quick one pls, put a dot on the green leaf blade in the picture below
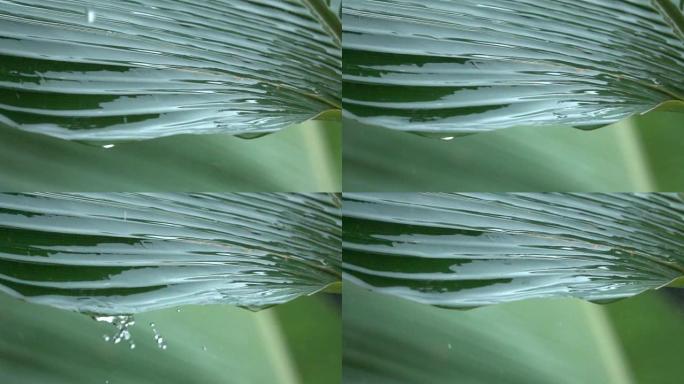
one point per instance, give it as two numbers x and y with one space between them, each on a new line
97 70
470 66
466 250
111 253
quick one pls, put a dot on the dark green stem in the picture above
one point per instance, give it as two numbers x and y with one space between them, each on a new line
335 287
327 17
672 14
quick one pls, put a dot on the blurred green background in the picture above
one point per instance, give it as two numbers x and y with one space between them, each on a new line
391 340
302 158
643 153
294 343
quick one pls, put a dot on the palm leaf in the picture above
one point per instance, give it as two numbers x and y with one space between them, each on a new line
103 70
116 253
455 67
465 250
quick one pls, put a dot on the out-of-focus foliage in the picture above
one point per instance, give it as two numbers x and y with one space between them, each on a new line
301 158
639 154
208 344
567 341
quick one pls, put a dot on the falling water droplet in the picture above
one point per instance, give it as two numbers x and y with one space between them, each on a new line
204 348
122 324
178 310
90 15
158 337
449 345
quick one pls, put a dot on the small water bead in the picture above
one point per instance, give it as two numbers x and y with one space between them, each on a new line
204 348
90 15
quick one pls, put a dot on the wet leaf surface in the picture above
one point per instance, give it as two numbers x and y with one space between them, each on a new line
452 67
124 70
466 250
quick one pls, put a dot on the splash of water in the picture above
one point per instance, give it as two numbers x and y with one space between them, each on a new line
122 330
122 325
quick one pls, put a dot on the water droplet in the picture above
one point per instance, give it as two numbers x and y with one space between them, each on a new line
449 345
107 146
204 348
90 15
448 138
178 310
121 323
158 337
